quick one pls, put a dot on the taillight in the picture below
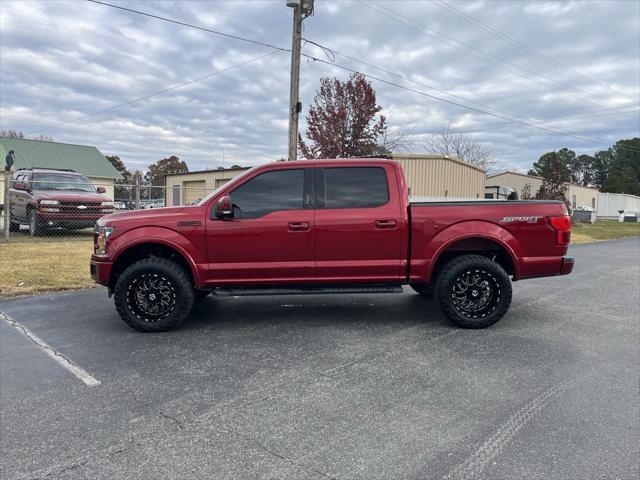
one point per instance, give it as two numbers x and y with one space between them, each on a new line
562 226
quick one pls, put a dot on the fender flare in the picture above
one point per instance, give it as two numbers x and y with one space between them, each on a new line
475 229
158 235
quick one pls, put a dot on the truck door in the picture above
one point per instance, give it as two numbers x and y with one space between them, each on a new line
18 198
358 225
270 238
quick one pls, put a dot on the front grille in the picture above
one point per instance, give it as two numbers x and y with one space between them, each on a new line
80 207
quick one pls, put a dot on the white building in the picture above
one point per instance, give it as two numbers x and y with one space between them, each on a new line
610 204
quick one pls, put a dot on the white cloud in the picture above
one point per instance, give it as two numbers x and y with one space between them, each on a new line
61 60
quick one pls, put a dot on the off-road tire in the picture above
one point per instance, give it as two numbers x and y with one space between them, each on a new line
424 289
35 227
488 278
175 281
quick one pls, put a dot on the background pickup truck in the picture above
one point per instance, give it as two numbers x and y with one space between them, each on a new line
48 198
326 226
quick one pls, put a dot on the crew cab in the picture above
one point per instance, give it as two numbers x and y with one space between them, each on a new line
49 198
326 226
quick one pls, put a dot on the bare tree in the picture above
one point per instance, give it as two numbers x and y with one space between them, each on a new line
394 140
463 146
19 134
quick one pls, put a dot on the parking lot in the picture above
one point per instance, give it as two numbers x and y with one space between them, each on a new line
338 387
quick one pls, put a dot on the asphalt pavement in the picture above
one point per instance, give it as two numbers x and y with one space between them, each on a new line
342 387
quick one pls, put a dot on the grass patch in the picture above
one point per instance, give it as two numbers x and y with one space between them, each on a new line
603 230
44 264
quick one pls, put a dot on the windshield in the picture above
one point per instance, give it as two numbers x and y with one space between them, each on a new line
224 185
60 181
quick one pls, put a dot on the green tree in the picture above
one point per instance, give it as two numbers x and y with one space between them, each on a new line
601 166
555 166
624 172
119 165
581 168
156 172
123 191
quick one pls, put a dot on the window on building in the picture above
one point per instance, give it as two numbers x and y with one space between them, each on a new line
573 201
269 192
355 187
593 203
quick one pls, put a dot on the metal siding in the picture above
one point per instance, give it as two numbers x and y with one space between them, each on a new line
432 177
584 195
515 181
210 178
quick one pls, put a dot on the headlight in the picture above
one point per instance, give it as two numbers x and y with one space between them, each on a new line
107 204
49 202
101 236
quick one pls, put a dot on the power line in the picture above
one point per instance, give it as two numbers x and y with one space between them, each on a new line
524 123
184 24
408 79
470 49
160 92
455 11
527 124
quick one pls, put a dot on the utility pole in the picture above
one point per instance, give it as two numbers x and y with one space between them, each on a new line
301 10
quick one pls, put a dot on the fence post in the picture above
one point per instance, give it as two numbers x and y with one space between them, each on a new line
6 208
137 191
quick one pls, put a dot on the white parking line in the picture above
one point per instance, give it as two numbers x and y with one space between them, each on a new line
79 372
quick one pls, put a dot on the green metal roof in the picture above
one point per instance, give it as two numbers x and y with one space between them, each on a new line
35 153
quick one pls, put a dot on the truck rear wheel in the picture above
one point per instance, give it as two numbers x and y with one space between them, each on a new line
473 291
153 295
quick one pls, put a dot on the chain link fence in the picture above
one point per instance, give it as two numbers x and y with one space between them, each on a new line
37 210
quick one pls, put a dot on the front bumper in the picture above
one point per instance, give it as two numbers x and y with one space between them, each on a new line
566 267
100 270
69 220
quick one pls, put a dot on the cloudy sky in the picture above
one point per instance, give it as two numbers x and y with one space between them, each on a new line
568 66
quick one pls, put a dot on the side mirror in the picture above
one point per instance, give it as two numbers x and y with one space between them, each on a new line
101 190
19 186
224 208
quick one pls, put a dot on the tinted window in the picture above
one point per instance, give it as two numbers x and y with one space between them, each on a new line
269 192
60 181
357 187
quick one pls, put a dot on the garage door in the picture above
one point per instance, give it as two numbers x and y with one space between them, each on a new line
193 191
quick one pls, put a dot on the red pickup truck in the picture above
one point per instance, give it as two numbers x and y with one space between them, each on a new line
326 226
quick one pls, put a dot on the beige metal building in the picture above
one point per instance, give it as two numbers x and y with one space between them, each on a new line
185 188
440 176
429 176
578 195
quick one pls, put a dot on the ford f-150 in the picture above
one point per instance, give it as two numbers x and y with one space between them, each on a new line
326 226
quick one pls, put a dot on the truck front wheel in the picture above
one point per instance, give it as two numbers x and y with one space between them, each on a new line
153 295
473 291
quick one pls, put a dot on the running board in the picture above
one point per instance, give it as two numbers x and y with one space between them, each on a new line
311 290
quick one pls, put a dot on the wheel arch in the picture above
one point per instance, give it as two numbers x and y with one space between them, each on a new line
145 248
481 238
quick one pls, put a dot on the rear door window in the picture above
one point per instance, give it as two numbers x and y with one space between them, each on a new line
353 187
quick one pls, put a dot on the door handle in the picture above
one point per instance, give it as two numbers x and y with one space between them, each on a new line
299 226
386 224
